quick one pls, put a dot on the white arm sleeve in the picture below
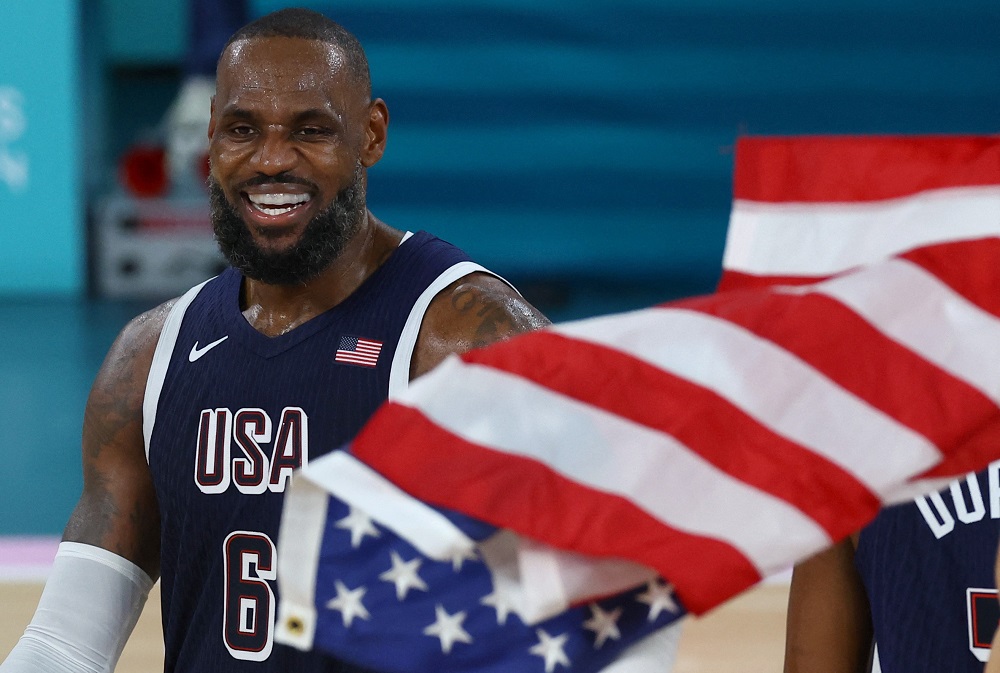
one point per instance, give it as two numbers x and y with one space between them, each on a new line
90 604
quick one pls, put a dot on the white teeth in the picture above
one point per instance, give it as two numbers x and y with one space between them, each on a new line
277 200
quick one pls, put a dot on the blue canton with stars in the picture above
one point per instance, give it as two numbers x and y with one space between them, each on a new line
382 605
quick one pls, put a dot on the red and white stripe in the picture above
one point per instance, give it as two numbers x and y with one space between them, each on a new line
715 450
809 207
720 439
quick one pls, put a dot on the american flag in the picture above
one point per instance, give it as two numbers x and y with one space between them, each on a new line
711 441
363 587
357 351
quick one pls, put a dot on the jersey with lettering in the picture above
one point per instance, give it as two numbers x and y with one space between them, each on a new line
229 413
928 569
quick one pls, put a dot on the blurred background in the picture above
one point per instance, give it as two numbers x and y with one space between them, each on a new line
582 149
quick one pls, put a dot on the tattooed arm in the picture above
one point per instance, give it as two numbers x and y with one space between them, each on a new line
117 510
474 311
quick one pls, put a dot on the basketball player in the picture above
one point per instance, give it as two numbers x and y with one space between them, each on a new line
205 405
917 584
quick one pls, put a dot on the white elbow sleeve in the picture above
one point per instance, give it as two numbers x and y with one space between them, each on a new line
90 604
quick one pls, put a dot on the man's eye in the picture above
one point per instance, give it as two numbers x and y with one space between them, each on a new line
312 131
241 130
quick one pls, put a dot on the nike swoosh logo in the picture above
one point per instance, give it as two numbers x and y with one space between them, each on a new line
198 352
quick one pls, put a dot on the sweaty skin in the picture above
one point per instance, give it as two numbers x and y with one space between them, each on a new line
283 106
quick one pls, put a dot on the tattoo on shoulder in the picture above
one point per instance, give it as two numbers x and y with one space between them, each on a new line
115 402
498 318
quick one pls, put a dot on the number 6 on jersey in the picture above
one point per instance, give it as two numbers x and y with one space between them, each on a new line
248 620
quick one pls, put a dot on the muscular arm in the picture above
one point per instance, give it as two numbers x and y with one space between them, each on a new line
118 510
472 312
828 626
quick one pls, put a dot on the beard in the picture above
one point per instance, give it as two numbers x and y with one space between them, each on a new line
324 238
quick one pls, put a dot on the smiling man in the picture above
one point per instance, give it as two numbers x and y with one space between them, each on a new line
206 405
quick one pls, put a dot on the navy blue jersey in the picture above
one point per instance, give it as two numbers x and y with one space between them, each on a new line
928 570
230 413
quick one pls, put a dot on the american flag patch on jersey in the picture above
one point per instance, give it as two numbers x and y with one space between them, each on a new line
357 351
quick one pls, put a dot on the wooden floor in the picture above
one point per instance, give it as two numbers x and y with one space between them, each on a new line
744 636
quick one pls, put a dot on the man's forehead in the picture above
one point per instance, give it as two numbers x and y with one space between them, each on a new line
270 59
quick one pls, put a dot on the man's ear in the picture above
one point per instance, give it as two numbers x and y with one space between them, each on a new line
211 120
376 133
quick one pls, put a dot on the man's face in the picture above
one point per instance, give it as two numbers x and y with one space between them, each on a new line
286 131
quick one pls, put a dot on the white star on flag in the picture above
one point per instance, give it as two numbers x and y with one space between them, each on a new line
603 624
551 649
348 601
658 596
404 575
360 524
500 602
448 629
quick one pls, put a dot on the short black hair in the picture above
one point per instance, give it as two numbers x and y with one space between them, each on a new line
309 25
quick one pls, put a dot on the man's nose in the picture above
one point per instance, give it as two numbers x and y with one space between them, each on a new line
275 153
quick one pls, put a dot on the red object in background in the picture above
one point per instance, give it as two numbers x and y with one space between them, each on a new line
143 170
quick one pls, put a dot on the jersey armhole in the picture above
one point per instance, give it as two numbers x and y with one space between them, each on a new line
399 373
161 360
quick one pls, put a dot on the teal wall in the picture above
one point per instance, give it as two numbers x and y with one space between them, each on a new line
576 139
41 215
144 31
565 139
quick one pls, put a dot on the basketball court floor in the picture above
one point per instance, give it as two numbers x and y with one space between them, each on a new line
744 636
